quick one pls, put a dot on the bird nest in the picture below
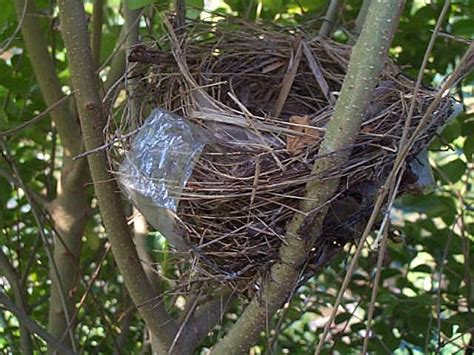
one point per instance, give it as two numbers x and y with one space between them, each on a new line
264 96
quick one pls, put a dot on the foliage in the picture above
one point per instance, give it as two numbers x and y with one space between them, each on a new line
426 294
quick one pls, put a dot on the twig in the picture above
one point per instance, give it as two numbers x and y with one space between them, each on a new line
329 20
9 40
49 253
33 326
35 119
421 71
380 259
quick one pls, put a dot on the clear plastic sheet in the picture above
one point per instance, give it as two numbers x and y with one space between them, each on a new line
158 166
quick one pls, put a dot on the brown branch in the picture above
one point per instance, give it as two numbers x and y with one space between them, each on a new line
330 18
96 30
20 300
208 315
85 82
365 65
33 326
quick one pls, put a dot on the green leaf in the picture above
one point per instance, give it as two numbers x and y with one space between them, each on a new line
469 148
463 28
423 268
342 317
454 170
432 205
137 4
451 132
273 5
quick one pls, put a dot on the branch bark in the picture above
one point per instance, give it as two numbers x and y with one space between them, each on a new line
96 30
20 300
360 21
330 18
32 326
69 208
366 63
85 82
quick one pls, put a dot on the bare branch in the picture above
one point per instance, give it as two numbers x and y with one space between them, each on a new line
330 18
360 21
20 300
96 30
33 326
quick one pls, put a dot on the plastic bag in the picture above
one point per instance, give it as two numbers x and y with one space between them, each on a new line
158 166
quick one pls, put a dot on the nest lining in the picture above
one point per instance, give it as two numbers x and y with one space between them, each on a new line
266 95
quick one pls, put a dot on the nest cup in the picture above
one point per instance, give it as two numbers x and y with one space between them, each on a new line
263 96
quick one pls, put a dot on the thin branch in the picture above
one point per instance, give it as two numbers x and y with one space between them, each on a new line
36 214
121 42
33 326
20 299
35 119
381 256
360 21
180 15
96 30
330 18
440 273
8 41
421 71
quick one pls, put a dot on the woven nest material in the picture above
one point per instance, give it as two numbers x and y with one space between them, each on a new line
266 95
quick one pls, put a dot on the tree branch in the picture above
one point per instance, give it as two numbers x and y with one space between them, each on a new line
96 30
33 326
360 21
20 300
330 18
366 63
85 82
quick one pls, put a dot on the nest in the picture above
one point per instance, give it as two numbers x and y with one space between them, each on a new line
265 94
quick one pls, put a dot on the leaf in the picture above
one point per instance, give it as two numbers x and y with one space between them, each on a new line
454 170
273 5
469 148
451 132
137 4
295 144
342 317
432 205
463 28
423 268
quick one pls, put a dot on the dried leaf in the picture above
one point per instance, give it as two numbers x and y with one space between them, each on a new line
295 144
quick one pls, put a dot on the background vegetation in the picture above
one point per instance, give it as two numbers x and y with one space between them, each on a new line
426 291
